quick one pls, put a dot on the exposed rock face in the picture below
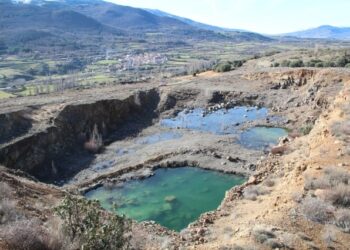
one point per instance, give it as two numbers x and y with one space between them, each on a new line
232 98
43 154
13 124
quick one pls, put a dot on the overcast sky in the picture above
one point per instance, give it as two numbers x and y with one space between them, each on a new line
264 16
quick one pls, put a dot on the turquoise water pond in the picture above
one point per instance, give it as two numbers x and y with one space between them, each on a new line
261 137
172 197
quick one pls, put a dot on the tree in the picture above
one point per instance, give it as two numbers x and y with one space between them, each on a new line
238 63
296 64
319 65
86 222
285 63
342 61
223 67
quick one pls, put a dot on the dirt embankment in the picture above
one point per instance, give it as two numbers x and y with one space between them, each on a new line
13 125
288 204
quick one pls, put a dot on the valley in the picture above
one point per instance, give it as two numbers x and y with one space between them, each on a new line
133 128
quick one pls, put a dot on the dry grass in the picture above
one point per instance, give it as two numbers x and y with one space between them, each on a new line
341 130
9 212
5 191
297 197
339 195
28 234
332 177
25 235
342 220
317 210
252 192
267 237
269 182
329 236
261 234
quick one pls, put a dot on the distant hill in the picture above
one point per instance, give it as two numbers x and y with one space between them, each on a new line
323 32
125 17
22 16
192 22
82 17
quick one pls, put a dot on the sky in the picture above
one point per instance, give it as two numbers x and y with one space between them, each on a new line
263 16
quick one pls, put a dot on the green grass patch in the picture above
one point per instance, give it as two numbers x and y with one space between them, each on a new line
107 62
4 95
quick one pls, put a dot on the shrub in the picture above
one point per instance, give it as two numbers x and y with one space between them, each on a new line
312 183
267 237
329 64
342 220
342 61
263 235
341 130
238 63
329 236
319 65
223 67
336 176
274 244
314 62
306 129
252 192
316 210
285 63
95 143
297 197
9 212
269 182
5 191
86 222
347 65
25 235
332 176
339 195
233 247
310 64
296 64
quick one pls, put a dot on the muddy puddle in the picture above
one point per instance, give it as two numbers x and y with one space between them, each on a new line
260 138
159 137
172 197
223 121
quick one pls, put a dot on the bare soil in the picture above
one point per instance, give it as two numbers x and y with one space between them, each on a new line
302 96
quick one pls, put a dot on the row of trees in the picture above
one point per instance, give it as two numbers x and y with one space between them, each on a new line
228 65
343 61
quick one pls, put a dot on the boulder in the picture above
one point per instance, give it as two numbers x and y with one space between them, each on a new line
278 150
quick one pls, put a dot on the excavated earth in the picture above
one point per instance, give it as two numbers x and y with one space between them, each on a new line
42 149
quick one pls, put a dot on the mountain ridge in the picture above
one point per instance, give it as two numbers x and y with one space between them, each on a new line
193 22
323 32
100 16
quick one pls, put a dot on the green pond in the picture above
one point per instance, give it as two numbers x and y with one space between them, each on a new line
173 197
